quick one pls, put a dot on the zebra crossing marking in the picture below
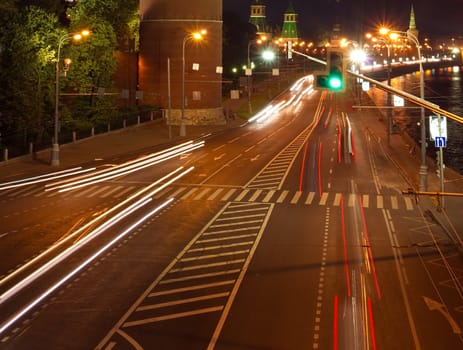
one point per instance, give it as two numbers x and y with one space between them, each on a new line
215 194
229 194
379 202
110 192
323 199
296 197
310 198
238 195
268 196
282 196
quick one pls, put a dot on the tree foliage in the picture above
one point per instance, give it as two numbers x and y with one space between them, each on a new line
31 30
26 75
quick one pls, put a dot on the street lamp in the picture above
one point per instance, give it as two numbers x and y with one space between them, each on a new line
190 36
384 31
393 34
62 40
259 41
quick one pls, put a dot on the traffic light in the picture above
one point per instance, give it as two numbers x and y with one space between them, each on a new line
334 77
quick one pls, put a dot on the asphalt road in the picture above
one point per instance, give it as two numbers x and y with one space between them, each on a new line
284 233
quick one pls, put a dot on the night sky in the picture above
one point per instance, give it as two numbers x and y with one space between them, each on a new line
433 17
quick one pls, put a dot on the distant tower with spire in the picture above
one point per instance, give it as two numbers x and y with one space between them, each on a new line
258 19
289 31
412 25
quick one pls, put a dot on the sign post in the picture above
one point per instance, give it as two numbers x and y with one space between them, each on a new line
438 133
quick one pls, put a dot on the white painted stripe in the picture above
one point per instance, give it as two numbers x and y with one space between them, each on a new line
183 301
202 193
366 200
269 196
241 217
296 197
110 192
337 199
222 246
244 210
190 192
162 193
238 223
34 191
323 199
394 202
18 192
226 238
228 195
173 316
255 195
215 194
191 288
84 192
310 198
282 196
200 276
351 200
232 230
379 202
97 192
128 189
206 266
241 195
180 190
408 203
213 256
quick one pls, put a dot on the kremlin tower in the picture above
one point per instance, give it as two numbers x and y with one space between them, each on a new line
166 29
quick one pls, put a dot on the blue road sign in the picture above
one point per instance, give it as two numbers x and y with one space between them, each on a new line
440 141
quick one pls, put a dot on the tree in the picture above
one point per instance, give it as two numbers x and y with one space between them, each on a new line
26 72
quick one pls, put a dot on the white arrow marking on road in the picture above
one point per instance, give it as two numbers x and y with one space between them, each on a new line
255 158
220 157
434 305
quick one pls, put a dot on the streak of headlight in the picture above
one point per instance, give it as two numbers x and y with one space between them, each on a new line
43 178
101 216
124 171
273 110
297 85
68 251
151 155
261 113
58 284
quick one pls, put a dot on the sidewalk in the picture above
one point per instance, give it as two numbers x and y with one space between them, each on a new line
406 155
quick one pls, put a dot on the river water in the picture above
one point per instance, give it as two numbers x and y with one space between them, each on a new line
443 87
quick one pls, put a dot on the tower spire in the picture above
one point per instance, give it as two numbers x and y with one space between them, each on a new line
412 24
289 31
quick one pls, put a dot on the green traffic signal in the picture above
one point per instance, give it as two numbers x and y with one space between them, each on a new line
335 81
333 78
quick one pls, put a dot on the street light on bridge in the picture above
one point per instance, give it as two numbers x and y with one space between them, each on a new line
395 34
199 35
62 40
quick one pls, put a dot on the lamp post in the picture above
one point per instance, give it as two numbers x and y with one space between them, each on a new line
249 68
388 96
423 167
190 36
62 40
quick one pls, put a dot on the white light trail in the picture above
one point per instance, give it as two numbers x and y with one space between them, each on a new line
43 178
66 278
126 168
101 216
70 250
